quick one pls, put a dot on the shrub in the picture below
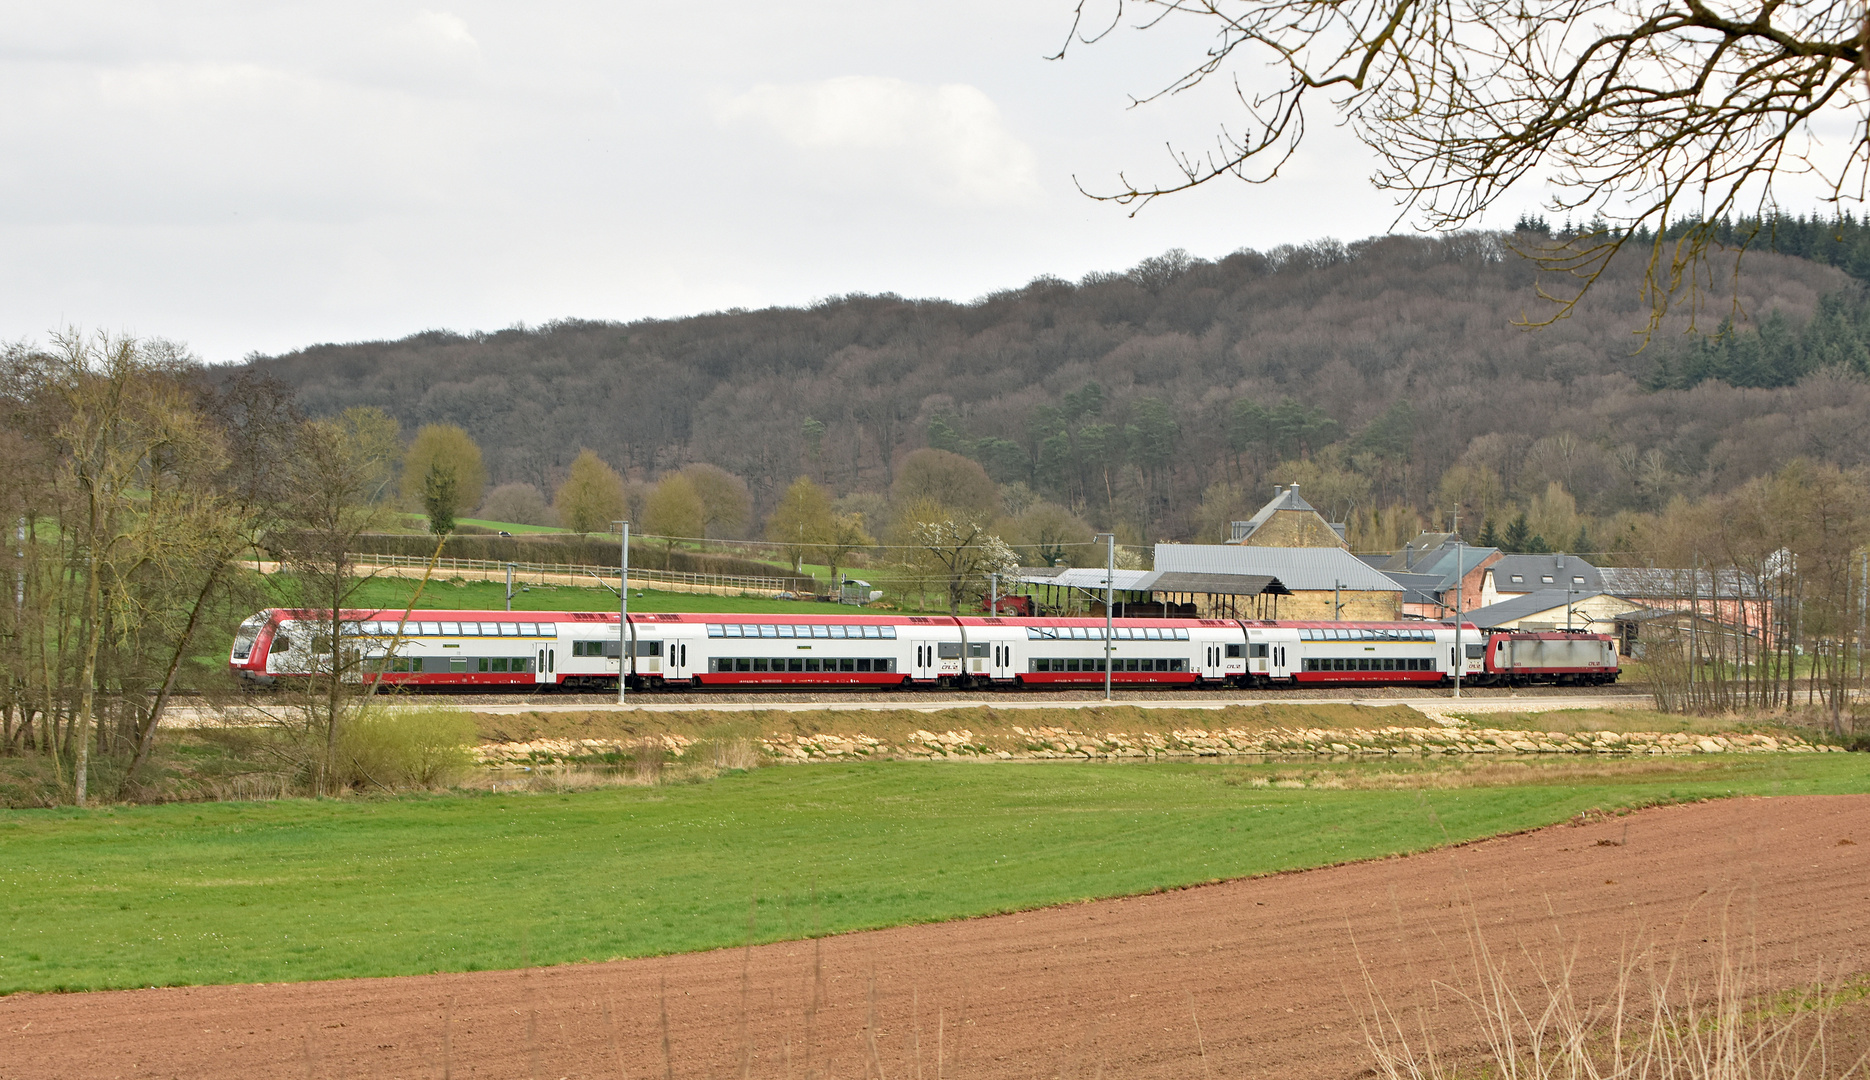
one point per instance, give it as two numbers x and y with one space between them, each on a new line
392 749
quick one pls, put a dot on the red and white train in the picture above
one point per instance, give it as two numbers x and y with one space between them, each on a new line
583 650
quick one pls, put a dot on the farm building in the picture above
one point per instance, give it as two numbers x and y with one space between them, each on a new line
1323 582
1288 521
1521 575
1435 571
1554 609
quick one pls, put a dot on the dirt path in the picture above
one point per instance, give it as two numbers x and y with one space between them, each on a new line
1265 968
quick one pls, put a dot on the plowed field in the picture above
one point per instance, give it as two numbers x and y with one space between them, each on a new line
1251 978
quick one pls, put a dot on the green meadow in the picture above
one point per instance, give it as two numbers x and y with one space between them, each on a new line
295 890
447 595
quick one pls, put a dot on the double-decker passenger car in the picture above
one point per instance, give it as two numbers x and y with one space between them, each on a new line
587 650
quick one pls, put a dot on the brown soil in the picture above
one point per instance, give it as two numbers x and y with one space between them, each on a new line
1252 978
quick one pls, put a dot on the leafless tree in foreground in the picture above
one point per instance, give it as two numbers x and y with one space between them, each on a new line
1655 117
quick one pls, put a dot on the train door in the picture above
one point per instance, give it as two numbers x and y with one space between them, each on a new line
925 662
1002 660
544 662
676 661
1210 660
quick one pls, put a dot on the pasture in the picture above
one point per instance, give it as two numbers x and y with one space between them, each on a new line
302 890
450 595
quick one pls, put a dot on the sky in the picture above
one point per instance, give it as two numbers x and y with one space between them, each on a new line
257 177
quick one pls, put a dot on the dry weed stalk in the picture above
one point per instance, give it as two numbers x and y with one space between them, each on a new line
1721 1025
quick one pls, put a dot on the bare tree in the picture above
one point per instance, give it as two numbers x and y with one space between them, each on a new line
335 472
1654 116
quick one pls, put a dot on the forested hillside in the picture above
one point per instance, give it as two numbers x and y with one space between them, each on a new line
1389 375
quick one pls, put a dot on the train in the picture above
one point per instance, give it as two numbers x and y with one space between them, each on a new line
582 650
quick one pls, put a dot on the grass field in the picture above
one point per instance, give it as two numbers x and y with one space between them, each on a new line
442 594
233 892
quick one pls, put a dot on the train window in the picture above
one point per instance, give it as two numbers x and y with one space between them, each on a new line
1475 652
451 629
977 650
743 664
813 664
760 663
948 650
1259 651
457 665
795 664
1233 652
321 643
400 663
282 643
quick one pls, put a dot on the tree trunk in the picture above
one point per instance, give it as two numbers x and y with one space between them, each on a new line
87 686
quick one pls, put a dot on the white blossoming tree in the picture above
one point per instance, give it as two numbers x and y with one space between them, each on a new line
959 554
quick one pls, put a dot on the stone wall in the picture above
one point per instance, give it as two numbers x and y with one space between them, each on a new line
1294 528
1357 606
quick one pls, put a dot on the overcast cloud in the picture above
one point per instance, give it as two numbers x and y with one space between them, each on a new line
258 177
